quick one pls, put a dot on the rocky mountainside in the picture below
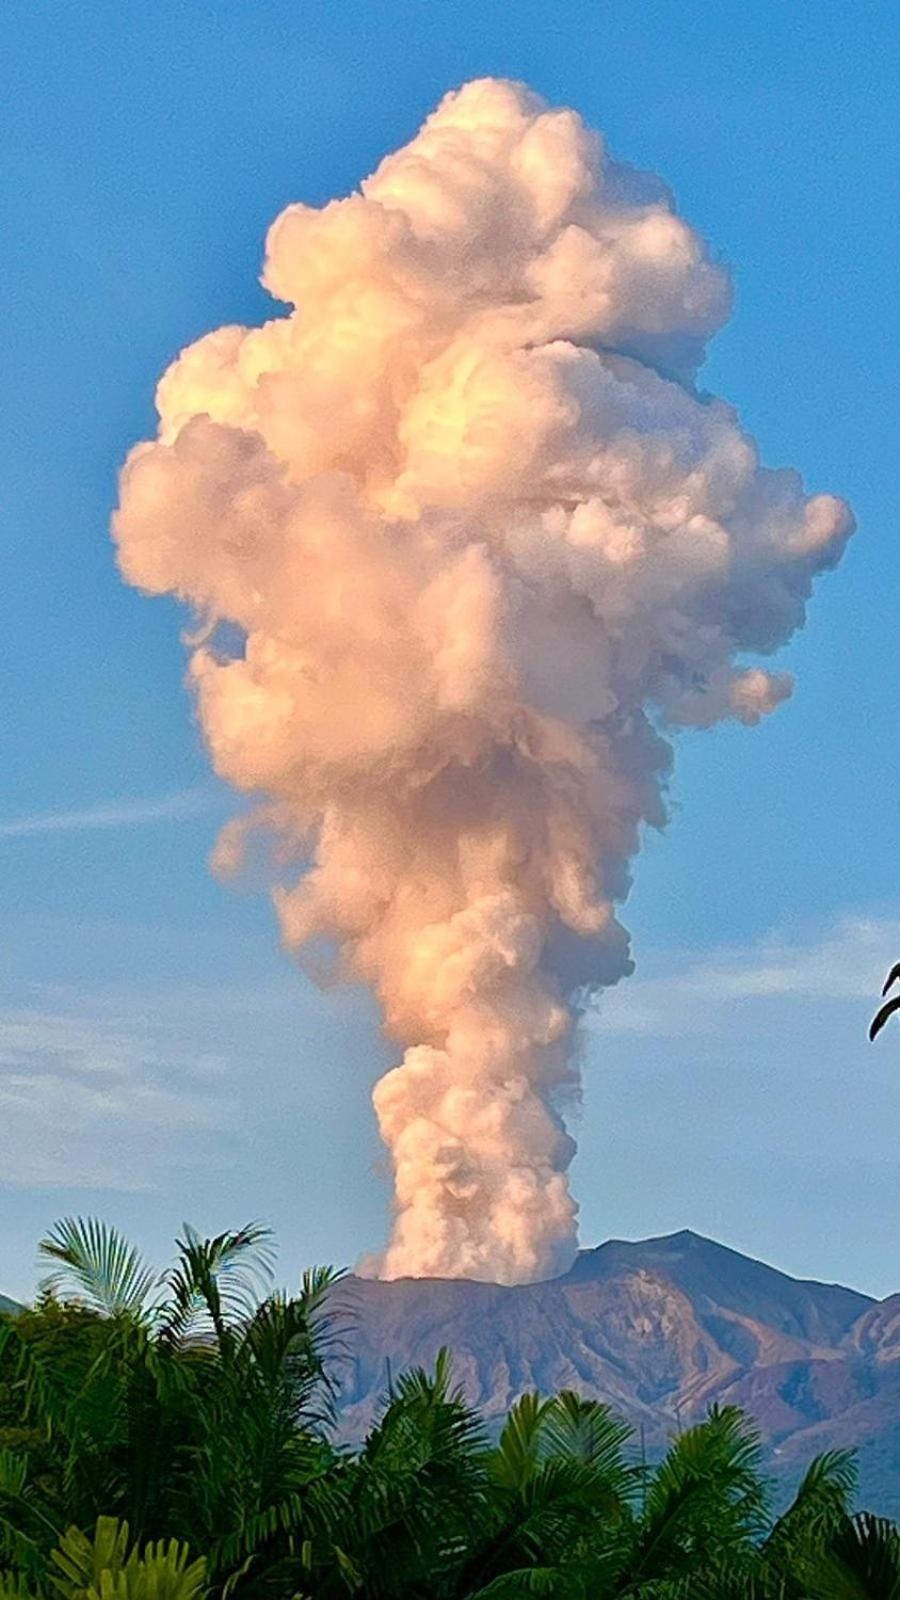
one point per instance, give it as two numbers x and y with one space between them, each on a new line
660 1330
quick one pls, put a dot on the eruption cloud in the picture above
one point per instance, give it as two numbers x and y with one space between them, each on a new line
465 542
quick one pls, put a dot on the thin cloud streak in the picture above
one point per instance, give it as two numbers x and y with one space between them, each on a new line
109 1093
127 813
843 964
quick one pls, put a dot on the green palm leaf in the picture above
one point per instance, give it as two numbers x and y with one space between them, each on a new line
14 1586
103 1568
861 1562
820 1507
704 1503
587 1432
217 1283
96 1265
288 1340
520 1447
558 1582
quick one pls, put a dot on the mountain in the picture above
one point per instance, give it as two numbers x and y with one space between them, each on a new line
8 1306
660 1329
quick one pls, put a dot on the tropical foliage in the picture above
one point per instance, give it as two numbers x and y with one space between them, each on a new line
169 1438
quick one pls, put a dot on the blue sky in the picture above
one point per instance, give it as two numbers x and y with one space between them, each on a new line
159 1058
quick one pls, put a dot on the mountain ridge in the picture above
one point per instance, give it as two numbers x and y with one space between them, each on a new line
659 1329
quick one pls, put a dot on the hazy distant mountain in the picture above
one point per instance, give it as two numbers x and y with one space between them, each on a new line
8 1305
659 1329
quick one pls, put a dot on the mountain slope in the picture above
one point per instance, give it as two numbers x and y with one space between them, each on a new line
660 1329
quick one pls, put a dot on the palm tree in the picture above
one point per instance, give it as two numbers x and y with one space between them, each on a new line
188 1404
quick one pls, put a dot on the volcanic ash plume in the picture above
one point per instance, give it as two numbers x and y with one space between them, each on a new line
464 541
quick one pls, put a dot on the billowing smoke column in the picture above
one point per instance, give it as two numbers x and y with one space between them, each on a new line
479 540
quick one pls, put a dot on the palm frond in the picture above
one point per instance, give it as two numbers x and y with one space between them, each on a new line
95 1265
24 1524
892 978
706 1498
106 1568
163 1571
586 1431
861 1562
731 1578
562 1583
13 1473
15 1586
426 1420
289 1340
217 1283
519 1449
418 1490
560 1490
883 1015
79 1561
820 1505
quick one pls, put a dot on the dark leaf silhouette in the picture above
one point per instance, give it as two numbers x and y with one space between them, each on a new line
891 978
886 1011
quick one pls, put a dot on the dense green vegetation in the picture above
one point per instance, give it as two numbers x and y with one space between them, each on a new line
166 1438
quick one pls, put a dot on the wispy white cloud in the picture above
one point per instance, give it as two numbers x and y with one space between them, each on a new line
125 813
102 1099
844 963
